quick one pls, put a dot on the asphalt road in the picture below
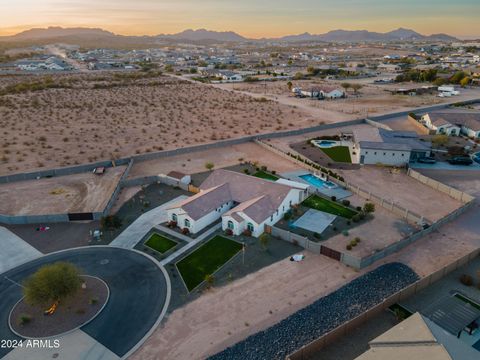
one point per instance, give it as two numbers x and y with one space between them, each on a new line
138 292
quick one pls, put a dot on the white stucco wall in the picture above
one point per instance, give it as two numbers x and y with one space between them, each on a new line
387 157
470 133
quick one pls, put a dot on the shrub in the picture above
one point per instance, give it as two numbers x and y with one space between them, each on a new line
317 235
369 207
229 232
356 218
287 216
246 171
349 247
172 224
346 202
110 222
345 232
357 239
185 231
466 280
334 198
247 232
359 208
93 301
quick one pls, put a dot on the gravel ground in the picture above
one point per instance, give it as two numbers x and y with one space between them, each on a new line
323 315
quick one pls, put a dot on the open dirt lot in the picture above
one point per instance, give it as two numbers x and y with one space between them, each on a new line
221 157
384 229
371 100
403 190
85 192
87 117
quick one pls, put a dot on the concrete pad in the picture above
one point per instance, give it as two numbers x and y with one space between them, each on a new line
140 227
76 345
315 221
15 251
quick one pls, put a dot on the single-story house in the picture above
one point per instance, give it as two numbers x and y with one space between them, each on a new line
460 122
437 123
242 202
228 75
320 92
380 146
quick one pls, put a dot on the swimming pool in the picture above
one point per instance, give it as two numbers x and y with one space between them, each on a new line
324 143
316 181
476 157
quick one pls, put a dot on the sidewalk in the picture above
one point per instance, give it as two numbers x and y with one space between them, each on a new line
15 251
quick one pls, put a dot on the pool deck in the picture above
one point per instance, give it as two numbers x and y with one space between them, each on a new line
339 192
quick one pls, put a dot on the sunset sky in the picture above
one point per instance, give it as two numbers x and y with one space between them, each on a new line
251 18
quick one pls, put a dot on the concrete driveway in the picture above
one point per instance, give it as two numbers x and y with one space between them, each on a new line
15 251
141 226
139 297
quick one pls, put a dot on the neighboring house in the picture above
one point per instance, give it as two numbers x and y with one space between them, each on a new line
417 337
380 146
461 122
242 202
437 123
392 68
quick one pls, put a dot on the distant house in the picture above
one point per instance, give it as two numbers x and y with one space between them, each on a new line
242 202
454 123
395 148
228 75
320 92
392 68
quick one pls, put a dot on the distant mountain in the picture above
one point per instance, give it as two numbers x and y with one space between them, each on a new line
366 36
203 34
103 38
55 32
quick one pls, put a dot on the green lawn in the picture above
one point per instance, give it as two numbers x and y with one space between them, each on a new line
160 243
264 175
206 260
328 206
338 153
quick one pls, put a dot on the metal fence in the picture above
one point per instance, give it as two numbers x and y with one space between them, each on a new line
315 346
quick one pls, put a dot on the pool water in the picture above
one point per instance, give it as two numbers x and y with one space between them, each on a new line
476 157
316 181
325 143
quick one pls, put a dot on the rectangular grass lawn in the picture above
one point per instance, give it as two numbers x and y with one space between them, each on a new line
160 243
207 259
338 153
328 206
264 175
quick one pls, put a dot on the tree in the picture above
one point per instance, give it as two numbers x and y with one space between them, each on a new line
52 283
209 165
264 239
289 85
465 81
369 207
356 87
346 86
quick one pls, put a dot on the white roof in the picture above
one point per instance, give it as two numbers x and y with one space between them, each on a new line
294 184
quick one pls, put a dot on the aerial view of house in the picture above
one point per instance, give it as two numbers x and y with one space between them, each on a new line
239 180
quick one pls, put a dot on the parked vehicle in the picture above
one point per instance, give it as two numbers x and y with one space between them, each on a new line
460 160
427 160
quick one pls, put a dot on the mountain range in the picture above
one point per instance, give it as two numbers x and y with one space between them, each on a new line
200 35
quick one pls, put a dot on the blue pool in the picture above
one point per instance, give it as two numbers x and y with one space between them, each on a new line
316 181
325 143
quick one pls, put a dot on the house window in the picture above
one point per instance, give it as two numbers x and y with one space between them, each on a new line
403 154
187 223
393 154
366 152
384 154
250 227
174 217
230 225
271 218
375 153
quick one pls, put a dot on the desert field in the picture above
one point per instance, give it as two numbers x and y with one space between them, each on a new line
371 100
80 118
85 192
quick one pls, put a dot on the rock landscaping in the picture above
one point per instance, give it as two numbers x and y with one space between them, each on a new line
323 315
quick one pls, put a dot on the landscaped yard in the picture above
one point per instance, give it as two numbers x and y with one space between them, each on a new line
328 206
206 260
160 243
264 175
338 153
